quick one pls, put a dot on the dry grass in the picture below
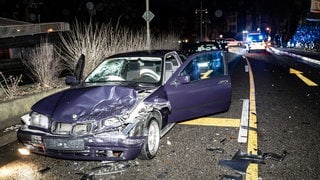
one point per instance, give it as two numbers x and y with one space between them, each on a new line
44 63
10 85
84 39
165 41
95 41
98 41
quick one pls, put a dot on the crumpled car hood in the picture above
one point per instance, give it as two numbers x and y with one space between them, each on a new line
80 104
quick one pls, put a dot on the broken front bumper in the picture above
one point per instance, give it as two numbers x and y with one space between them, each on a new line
89 147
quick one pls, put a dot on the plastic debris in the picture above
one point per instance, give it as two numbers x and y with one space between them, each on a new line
216 150
231 177
44 170
104 169
240 161
223 140
168 142
12 128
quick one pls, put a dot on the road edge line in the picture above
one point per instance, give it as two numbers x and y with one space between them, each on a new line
252 170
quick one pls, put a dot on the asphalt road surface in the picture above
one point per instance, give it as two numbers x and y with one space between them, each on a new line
286 117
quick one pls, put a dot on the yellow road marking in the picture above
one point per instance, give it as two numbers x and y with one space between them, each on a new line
207 121
252 170
303 78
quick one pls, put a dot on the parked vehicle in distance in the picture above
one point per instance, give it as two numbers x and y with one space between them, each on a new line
233 42
222 43
255 42
191 48
126 104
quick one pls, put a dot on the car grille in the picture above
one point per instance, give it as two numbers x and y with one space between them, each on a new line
70 129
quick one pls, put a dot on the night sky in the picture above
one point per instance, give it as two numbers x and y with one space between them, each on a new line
169 14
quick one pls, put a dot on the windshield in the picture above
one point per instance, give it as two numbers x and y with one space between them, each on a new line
135 69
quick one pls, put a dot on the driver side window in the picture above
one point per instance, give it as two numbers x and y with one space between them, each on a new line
203 66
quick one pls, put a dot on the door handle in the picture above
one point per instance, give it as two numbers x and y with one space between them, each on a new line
223 82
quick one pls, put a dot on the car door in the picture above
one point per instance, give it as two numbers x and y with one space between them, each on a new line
200 86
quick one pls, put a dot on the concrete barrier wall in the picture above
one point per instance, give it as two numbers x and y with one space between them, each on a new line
12 110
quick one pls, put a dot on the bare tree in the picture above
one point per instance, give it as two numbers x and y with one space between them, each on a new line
124 39
96 42
44 64
99 41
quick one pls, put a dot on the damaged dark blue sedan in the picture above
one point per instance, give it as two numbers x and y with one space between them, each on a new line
125 105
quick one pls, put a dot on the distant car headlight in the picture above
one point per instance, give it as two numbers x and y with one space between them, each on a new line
39 120
111 123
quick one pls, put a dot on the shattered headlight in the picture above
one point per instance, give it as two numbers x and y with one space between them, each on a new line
39 120
111 123
81 129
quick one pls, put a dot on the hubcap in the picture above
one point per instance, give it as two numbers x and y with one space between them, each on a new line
153 137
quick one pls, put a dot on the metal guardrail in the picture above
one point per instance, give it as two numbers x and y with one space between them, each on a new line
31 29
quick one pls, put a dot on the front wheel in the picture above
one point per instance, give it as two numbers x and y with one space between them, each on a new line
151 146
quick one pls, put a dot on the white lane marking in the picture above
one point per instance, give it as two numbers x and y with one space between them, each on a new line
244 122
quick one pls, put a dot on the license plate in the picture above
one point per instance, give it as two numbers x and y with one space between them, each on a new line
64 144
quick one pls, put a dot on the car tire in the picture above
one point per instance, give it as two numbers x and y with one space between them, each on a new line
151 146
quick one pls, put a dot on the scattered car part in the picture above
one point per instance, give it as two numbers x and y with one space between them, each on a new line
104 169
231 177
239 165
223 141
44 170
240 161
216 150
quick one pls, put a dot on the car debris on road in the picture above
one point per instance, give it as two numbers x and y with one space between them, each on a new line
240 161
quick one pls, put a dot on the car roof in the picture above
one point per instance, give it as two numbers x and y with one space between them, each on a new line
149 53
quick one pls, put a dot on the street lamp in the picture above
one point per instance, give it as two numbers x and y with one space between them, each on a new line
268 30
201 11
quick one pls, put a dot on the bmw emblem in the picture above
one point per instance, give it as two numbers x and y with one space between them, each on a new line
74 116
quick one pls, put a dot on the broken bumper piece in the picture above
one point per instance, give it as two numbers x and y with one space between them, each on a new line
240 161
82 148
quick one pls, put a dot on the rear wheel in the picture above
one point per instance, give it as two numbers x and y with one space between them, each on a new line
151 146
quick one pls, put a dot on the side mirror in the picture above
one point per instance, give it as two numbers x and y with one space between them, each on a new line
71 80
182 80
78 72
